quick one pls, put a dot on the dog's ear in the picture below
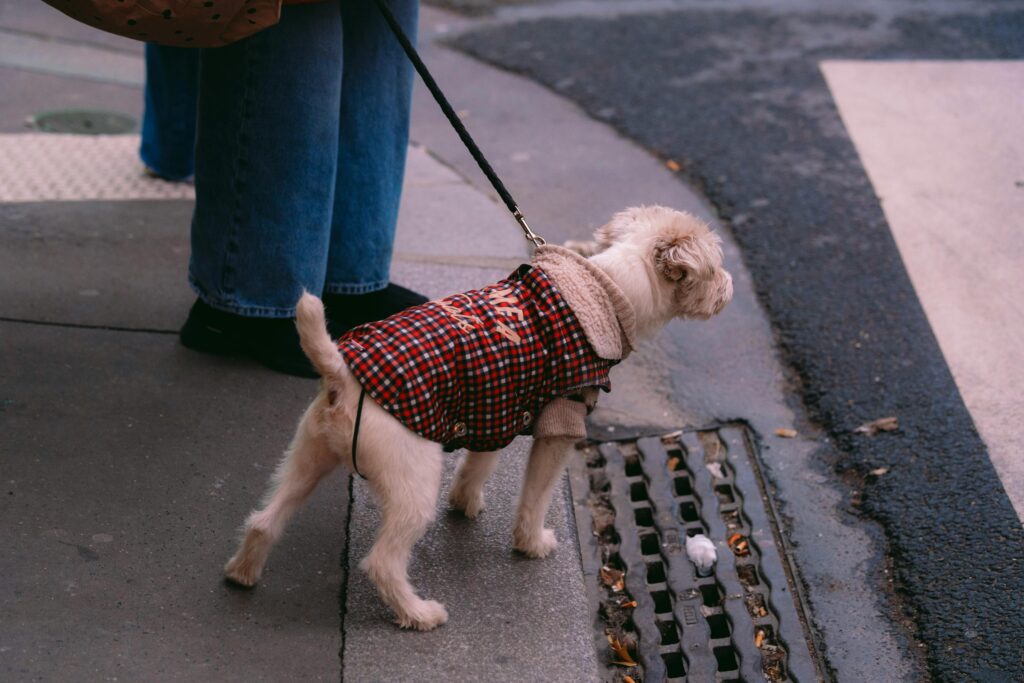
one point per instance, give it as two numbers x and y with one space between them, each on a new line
681 257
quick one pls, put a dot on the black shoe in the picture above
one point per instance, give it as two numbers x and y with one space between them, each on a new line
345 311
272 342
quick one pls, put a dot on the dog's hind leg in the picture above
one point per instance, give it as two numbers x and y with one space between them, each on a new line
467 494
405 473
305 463
548 459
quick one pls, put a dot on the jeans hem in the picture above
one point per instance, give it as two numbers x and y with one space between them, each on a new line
162 173
355 287
238 309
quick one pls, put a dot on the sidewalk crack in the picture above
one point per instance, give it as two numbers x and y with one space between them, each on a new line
84 326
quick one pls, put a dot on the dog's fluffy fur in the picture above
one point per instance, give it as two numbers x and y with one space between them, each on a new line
667 263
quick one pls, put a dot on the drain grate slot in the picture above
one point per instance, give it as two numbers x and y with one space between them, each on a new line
636 503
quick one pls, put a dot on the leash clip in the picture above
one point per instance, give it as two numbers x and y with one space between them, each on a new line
537 240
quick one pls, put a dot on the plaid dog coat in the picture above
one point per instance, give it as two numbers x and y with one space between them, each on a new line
475 369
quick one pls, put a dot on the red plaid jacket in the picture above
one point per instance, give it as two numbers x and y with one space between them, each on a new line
473 370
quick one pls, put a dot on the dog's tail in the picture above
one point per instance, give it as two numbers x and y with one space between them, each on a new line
316 341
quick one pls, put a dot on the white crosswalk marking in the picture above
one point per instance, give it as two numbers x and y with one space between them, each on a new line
943 144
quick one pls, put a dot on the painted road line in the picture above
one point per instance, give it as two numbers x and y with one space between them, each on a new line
943 145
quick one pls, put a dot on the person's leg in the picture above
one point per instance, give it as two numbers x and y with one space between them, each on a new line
266 158
169 117
376 97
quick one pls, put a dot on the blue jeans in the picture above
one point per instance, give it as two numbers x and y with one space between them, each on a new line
300 154
169 119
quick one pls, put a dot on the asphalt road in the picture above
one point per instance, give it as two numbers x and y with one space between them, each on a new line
736 97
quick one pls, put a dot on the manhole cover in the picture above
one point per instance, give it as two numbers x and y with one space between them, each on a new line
84 122
636 503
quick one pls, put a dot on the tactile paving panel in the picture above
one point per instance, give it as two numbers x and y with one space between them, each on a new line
37 167
636 503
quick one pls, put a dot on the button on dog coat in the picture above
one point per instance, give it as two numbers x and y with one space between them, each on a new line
474 369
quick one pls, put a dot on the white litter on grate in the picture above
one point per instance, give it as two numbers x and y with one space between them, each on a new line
37 167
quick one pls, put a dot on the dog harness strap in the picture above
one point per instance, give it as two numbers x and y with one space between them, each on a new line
355 432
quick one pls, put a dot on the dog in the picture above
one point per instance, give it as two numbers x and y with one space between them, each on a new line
647 266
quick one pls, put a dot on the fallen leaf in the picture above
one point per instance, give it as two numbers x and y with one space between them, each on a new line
758 639
630 605
628 679
785 433
603 518
673 462
882 424
621 651
738 544
879 471
613 578
673 165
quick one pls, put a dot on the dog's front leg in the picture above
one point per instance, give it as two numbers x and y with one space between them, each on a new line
548 459
467 494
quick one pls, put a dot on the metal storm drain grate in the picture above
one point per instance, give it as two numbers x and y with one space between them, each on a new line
636 503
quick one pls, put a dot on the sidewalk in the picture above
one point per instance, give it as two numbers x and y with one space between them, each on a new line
130 461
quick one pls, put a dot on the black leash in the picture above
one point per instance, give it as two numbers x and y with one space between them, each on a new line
453 118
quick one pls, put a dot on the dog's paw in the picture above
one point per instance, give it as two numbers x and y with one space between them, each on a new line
246 566
424 616
239 572
535 545
469 503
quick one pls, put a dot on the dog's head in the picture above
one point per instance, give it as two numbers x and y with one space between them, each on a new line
681 258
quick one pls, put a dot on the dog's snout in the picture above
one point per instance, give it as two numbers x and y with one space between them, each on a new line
725 287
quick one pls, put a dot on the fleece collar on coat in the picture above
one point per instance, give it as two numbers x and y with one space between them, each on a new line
604 312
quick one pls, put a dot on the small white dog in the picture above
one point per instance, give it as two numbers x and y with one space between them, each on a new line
471 370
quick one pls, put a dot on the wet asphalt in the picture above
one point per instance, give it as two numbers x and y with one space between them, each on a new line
736 98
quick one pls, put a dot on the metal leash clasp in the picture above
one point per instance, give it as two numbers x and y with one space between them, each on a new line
537 240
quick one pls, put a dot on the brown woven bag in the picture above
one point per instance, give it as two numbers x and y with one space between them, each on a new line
179 23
